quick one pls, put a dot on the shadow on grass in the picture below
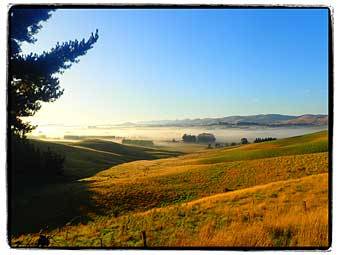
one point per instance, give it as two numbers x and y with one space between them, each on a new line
48 204
44 203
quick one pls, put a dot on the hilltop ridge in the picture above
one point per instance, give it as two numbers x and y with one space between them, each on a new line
259 119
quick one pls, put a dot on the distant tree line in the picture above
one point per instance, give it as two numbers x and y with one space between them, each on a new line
260 140
221 145
72 137
189 138
211 140
206 138
201 138
147 143
83 137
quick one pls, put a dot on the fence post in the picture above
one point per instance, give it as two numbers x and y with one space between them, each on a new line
305 205
144 238
66 232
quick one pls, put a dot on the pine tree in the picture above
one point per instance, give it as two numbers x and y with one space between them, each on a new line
33 76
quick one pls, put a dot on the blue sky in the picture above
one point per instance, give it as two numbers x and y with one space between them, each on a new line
182 63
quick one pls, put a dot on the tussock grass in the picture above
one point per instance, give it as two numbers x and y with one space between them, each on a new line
289 219
212 197
121 190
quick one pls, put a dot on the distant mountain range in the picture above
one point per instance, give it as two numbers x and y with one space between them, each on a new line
252 120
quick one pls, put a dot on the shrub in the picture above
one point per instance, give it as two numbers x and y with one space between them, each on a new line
244 141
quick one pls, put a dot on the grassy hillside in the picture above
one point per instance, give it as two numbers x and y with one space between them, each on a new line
119 194
39 201
311 143
143 185
86 158
279 214
180 146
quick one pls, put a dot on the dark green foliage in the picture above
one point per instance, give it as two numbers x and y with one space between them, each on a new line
260 140
189 138
147 143
218 145
33 76
244 141
25 23
72 137
30 160
206 138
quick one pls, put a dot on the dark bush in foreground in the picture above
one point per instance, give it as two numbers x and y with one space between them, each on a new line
29 160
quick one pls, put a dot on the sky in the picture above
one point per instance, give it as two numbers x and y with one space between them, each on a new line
188 63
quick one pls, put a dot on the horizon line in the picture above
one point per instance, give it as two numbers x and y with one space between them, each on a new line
177 119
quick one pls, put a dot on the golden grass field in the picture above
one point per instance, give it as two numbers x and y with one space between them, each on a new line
272 194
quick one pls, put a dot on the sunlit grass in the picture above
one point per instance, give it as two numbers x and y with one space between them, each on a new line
201 199
248 217
122 191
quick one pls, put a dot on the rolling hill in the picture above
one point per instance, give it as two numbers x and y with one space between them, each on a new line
58 199
87 157
260 119
205 198
307 120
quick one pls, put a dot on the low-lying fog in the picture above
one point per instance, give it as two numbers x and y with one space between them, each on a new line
229 134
